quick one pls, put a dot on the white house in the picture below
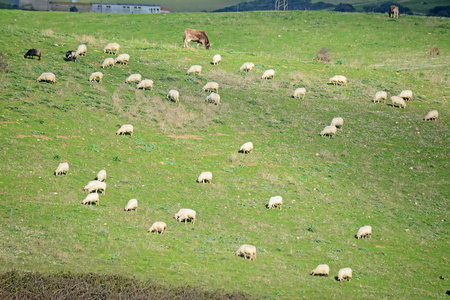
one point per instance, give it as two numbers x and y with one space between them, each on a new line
118 8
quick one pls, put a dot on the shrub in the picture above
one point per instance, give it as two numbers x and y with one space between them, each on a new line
434 51
344 7
323 55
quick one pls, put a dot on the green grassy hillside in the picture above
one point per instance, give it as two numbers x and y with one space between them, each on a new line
386 168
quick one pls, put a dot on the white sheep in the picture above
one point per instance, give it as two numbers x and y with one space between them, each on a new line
158 227
108 62
268 74
329 131
205 177
95 186
131 205
96 75
246 148
48 77
321 270
90 199
432 115
112 48
406 94
217 59
62 169
338 79
173 95
82 50
211 87
345 274
363 232
195 69
122 59
380 96
299 92
338 122
124 129
145 84
247 66
213 98
400 102
186 214
101 176
247 250
134 78
276 201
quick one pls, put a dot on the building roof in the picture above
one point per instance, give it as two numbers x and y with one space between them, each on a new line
127 4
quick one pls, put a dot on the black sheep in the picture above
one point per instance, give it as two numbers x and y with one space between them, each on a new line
33 52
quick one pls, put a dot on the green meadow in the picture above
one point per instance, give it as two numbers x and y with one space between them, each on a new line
386 167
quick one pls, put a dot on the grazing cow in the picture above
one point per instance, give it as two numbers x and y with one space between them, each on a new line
393 11
191 35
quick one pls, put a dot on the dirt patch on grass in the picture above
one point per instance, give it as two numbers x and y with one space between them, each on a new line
186 136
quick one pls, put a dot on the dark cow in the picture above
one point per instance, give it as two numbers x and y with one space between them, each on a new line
393 11
72 55
33 52
191 35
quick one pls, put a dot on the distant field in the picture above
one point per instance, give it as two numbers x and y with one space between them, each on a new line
386 167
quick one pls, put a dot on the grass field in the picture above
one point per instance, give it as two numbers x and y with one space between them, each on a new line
386 168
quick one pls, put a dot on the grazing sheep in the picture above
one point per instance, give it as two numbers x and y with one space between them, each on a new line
158 227
247 66
90 199
122 59
173 95
195 69
400 102
96 75
33 52
211 87
108 62
213 98
205 177
185 214
275 201
101 176
124 129
269 74
321 270
299 92
345 274
72 55
62 169
47 77
329 131
380 96
247 250
338 79
82 50
338 122
134 78
145 84
131 205
364 232
217 59
432 115
112 48
95 186
246 148
406 95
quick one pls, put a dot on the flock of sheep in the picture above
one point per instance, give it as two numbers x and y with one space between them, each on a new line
189 215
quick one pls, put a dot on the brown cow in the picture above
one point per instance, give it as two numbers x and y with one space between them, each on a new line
393 11
191 35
